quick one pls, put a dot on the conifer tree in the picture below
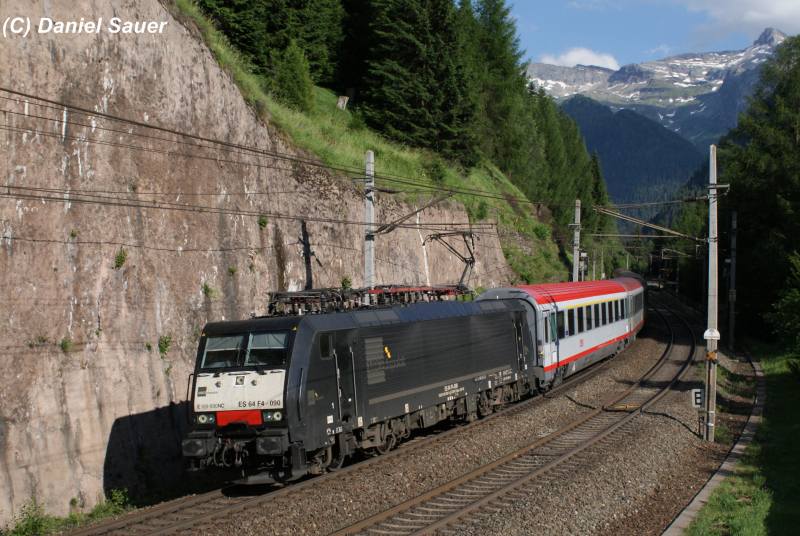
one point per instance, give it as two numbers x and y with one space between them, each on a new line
293 83
761 161
414 87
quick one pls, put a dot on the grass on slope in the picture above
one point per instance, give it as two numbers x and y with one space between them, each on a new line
33 521
763 494
340 139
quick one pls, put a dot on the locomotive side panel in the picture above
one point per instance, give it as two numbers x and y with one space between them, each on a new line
412 366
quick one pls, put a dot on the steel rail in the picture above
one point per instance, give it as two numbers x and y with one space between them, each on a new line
154 520
479 488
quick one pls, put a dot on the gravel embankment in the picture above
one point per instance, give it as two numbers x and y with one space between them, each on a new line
653 469
339 502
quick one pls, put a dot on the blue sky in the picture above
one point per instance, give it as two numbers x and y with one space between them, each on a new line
617 32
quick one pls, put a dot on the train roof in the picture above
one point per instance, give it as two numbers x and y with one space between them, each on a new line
559 292
361 318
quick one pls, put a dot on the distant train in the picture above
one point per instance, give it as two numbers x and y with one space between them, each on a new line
277 398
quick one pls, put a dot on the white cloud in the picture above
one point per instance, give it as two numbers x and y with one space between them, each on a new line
582 56
750 16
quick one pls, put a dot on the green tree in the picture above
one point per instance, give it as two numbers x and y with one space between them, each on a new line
293 83
761 161
785 316
414 83
262 29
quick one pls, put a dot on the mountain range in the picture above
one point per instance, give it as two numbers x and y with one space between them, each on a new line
640 159
698 96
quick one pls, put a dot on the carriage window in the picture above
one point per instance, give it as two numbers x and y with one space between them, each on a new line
560 318
553 331
579 312
546 329
326 346
597 319
622 308
605 313
222 352
267 349
616 310
571 318
589 318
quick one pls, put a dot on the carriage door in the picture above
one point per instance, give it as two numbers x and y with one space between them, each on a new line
549 339
345 379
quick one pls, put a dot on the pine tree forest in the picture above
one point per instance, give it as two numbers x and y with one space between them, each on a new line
431 74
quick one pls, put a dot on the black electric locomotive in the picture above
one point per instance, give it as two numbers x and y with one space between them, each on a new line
278 398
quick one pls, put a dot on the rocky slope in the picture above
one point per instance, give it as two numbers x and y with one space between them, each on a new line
87 401
698 96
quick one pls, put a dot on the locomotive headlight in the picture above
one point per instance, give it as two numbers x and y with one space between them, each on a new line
205 418
271 415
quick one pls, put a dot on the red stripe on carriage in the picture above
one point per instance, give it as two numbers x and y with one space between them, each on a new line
246 416
570 359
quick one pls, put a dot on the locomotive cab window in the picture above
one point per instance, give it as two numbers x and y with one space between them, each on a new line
267 349
326 346
222 352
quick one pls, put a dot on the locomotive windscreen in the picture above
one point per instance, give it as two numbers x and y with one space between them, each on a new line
268 350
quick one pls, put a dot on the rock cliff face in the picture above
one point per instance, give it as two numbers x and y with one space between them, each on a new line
88 400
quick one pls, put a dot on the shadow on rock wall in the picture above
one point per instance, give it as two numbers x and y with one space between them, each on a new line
143 456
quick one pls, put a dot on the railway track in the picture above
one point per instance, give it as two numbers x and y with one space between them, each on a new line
195 511
491 488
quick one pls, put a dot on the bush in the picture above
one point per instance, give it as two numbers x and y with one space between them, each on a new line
262 221
31 521
436 169
66 345
785 315
347 283
164 342
357 122
209 291
120 258
293 83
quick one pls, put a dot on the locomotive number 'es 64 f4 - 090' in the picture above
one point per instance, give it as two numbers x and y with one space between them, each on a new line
277 398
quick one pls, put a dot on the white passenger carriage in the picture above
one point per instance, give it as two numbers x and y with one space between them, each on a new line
577 324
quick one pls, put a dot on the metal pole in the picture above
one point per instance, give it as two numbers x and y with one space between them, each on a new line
602 263
732 286
306 243
594 264
369 218
712 334
576 242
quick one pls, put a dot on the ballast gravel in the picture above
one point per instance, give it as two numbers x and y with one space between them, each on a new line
339 502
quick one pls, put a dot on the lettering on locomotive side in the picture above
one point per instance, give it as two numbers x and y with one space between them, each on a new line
452 391
219 405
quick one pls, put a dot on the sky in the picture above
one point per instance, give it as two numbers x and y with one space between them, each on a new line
612 33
